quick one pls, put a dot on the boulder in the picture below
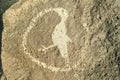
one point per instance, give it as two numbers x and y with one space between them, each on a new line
62 40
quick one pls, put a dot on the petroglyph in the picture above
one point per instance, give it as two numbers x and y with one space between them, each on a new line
59 39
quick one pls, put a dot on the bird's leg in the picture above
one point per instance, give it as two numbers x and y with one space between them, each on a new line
46 48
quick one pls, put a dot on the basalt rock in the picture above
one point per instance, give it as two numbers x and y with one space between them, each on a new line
62 40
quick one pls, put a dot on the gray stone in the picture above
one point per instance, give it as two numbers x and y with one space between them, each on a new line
62 40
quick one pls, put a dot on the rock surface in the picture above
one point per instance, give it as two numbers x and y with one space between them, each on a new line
62 40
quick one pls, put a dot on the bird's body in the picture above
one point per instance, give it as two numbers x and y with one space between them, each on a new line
60 39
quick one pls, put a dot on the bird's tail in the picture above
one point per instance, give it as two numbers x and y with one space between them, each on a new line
63 51
68 39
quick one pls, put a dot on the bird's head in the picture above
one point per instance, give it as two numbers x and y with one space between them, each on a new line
62 12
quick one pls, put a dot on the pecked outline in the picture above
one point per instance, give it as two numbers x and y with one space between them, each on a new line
24 43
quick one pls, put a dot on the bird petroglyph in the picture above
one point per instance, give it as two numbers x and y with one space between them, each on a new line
59 36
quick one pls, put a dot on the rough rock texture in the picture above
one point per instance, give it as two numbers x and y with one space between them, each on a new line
62 40
4 5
